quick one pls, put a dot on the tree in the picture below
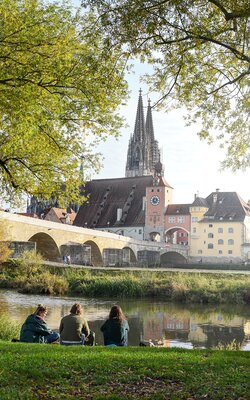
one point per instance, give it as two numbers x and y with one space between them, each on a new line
200 53
59 83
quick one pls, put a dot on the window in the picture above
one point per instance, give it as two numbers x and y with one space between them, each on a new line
194 219
210 225
230 252
199 251
140 231
220 230
220 241
230 242
181 220
210 235
171 220
210 246
230 230
194 230
220 252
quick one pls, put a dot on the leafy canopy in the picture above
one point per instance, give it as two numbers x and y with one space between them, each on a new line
200 53
58 83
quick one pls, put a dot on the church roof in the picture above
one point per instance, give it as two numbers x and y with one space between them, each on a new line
106 196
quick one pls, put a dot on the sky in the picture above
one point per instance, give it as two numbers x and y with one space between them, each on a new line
192 166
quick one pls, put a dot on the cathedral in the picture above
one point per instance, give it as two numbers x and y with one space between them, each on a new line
135 204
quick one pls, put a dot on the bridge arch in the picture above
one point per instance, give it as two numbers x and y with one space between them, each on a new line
96 255
46 246
172 258
129 256
170 233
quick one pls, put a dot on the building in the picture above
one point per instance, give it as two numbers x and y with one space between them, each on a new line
61 215
220 228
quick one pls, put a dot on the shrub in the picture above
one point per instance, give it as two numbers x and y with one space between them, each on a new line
8 329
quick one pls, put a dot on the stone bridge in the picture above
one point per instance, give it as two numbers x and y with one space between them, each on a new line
85 246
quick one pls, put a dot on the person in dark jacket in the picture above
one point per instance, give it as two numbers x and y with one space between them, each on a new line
35 329
115 329
74 329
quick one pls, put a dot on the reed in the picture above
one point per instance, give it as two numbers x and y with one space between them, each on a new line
171 286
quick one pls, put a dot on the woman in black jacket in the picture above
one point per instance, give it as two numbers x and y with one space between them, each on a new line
115 329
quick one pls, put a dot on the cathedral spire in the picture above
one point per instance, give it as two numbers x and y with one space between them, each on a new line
143 149
149 122
139 130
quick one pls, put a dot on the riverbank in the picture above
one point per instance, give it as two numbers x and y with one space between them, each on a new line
185 287
46 372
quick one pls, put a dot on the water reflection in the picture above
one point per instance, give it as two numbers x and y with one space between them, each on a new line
172 324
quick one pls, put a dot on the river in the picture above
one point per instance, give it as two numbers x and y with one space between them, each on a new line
174 325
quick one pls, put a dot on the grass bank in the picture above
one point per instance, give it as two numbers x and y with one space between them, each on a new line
47 372
170 286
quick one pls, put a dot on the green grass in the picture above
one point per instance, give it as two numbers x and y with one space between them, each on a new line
47 372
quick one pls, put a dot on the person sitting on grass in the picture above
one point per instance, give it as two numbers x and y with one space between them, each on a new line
115 329
35 329
74 329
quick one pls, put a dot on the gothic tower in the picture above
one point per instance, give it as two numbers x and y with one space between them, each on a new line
143 149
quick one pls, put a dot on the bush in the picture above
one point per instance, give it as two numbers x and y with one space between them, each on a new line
8 329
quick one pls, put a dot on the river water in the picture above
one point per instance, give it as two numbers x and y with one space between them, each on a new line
174 325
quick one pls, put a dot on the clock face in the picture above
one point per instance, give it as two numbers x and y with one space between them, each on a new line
155 200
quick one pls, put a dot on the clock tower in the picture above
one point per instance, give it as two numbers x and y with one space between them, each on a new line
158 197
